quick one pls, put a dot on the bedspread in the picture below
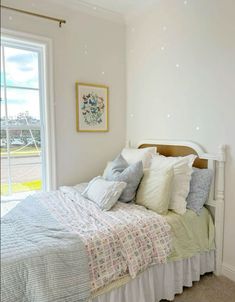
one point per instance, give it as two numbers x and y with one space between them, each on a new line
41 261
126 239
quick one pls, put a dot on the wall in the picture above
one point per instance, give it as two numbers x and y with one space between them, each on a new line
180 83
80 156
180 80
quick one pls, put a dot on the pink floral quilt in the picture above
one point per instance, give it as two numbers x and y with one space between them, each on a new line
126 239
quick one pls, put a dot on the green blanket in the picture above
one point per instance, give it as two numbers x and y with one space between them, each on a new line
191 233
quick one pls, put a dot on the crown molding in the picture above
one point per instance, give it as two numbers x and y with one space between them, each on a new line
92 10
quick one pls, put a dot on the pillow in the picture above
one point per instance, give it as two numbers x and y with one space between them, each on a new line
107 168
145 155
81 187
155 190
104 193
182 167
199 189
119 170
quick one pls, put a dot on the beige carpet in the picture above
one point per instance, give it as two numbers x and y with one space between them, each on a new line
209 289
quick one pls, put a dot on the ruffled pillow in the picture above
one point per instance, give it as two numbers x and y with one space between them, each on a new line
104 193
132 155
182 168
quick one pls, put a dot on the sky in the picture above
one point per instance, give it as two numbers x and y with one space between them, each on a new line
21 70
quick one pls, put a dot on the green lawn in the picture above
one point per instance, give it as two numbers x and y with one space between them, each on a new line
21 151
34 185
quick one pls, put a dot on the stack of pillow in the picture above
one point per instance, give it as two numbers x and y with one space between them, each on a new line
157 182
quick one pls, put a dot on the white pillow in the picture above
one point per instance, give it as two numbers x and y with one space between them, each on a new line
107 168
104 193
155 190
182 167
145 155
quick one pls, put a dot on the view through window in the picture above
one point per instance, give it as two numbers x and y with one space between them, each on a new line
21 120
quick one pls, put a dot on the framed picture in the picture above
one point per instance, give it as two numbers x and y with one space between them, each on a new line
92 107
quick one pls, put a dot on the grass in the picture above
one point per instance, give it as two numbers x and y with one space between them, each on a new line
21 151
34 185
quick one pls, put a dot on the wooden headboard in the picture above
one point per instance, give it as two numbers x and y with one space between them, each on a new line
215 162
178 150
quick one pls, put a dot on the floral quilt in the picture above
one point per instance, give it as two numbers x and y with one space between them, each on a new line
126 239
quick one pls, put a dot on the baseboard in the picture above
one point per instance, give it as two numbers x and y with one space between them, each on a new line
228 271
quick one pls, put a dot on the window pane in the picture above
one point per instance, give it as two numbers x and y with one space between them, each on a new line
21 161
3 140
3 107
23 106
2 74
25 160
21 182
4 163
24 143
21 67
4 176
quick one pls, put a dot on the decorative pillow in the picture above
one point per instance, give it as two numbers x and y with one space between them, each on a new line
182 167
81 187
107 168
155 190
119 170
199 189
104 193
145 155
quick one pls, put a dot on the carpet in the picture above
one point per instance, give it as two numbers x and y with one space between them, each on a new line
209 289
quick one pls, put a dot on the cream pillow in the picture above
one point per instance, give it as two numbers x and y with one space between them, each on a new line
155 190
182 167
132 155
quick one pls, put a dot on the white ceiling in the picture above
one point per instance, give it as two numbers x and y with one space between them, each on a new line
123 7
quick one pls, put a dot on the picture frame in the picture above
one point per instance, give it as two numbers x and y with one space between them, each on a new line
92 105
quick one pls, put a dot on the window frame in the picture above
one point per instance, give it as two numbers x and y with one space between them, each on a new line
46 95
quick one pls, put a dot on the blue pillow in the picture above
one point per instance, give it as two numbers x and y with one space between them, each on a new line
199 189
119 170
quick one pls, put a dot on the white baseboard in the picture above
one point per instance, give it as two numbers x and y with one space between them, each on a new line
228 271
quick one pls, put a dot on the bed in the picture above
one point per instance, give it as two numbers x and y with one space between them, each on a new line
49 256
164 281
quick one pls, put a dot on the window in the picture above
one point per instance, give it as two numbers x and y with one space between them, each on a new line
26 148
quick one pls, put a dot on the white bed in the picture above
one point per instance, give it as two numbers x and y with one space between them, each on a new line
163 281
92 254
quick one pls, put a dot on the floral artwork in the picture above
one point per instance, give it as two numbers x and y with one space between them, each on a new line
92 108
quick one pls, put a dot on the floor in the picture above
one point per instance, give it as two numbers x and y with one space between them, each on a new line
209 289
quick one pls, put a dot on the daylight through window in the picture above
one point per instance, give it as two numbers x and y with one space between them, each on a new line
21 120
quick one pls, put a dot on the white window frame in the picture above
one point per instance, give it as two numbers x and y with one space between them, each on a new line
44 46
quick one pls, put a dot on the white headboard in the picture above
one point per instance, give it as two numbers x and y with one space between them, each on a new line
215 162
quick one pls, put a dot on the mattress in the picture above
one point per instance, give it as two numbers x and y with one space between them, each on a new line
191 235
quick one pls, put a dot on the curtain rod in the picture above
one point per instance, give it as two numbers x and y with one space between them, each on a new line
35 15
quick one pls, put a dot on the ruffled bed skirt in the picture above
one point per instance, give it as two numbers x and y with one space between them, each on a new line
161 281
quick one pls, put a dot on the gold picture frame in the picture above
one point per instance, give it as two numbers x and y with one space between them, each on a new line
92 106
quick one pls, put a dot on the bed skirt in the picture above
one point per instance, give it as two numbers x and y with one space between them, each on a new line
161 281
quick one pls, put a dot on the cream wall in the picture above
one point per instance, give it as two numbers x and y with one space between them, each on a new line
181 84
80 156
